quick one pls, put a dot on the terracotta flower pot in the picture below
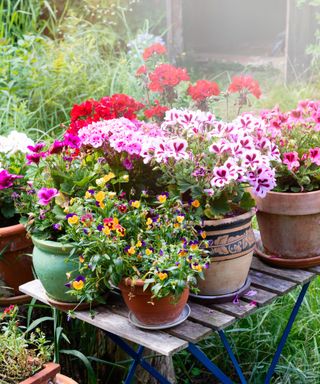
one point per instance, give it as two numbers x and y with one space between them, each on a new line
49 374
231 245
15 264
162 310
289 224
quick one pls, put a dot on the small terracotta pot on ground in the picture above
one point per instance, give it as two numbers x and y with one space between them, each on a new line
151 311
289 224
231 245
15 264
49 374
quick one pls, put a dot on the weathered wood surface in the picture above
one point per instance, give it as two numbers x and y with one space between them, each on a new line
270 283
259 296
210 317
295 275
105 319
238 309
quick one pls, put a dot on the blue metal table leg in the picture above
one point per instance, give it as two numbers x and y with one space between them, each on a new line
203 359
137 359
286 333
232 357
134 365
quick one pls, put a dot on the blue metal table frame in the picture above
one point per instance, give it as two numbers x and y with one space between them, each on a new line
199 355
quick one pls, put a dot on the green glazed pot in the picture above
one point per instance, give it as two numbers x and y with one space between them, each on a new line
49 261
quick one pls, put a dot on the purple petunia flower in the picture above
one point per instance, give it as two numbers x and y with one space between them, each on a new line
71 141
45 195
6 179
127 164
35 157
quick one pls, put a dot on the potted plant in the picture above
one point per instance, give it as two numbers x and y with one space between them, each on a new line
289 216
25 358
211 163
145 245
15 264
59 173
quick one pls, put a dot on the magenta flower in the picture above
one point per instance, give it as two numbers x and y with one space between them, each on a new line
45 195
291 159
36 148
314 154
57 147
6 179
35 157
221 177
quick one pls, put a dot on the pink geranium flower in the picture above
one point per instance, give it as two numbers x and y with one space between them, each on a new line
314 155
45 195
291 159
221 177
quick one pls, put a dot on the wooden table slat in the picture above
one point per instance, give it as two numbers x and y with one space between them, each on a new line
296 275
315 269
210 317
239 309
105 319
188 330
261 297
270 283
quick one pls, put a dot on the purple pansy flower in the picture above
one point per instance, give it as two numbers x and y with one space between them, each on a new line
45 195
100 227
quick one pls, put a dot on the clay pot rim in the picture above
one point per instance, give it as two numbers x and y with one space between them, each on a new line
12 230
229 220
286 194
49 245
127 281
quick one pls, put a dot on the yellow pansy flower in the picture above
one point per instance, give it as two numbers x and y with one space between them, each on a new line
135 204
78 285
162 198
139 244
106 231
180 218
196 203
81 259
176 225
148 251
73 219
111 195
108 177
100 196
131 250
162 275
149 221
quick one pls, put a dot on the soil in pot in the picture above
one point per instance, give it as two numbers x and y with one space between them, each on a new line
231 245
148 310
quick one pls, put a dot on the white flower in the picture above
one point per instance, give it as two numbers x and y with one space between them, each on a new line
14 142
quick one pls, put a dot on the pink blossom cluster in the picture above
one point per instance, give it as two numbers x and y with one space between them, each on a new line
133 137
237 152
296 132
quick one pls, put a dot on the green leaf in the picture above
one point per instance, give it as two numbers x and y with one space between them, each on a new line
247 202
35 323
91 375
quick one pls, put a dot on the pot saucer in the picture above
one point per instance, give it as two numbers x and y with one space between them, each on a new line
281 261
219 299
64 306
15 300
180 319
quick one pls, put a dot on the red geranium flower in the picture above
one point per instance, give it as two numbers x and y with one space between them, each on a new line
158 111
141 70
158 49
166 75
245 84
83 110
203 89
